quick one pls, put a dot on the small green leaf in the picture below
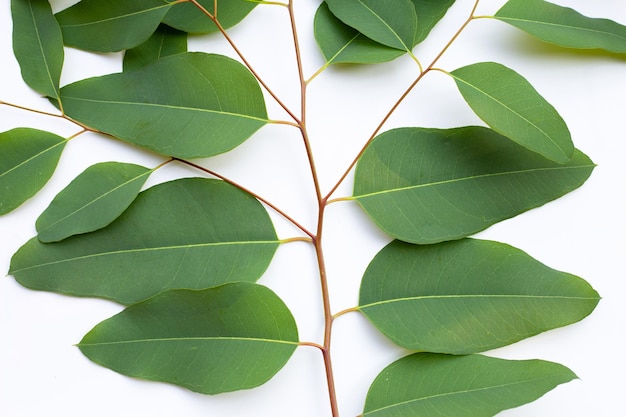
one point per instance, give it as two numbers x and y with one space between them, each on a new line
189 18
164 42
342 44
189 105
228 338
29 158
512 107
430 185
112 25
563 26
467 296
432 385
392 22
92 200
429 13
190 233
38 45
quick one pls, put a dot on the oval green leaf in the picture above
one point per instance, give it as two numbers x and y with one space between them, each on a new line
38 45
233 337
467 296
511 106
432 385
563 26
429 185
189 105
190 233
429 13
392 22
112 25
92 200
165 41
341 44
29 158
189 18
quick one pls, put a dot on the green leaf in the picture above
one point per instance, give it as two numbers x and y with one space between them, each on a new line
512 107
429 13
342 44
92 200
112 25
164 42
429 185
563 26
38 45
28 160
432 385
392 22
189 105
467 296
228 338
191 233
189 18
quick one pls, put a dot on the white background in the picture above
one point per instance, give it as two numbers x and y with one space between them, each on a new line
42 373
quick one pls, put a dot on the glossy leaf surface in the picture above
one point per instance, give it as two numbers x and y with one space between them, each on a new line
563 26
29 158
112 25
165 41
429 185
467 296
189 18
512 107
232 337
37 45
190 233
92 200
392 22
189 105
342 44
429 13
431 385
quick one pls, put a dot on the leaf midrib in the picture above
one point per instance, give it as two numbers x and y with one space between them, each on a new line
475 296
455 180
123 16
406 48
159 248
130 103
32 158
195 338
54 84
560 25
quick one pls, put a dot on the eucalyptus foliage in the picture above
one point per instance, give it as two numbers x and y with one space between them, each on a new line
183 256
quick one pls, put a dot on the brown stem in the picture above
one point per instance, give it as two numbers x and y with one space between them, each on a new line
244 189
401 99
243 59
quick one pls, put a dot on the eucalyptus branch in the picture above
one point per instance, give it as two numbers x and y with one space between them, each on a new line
17 106
402 98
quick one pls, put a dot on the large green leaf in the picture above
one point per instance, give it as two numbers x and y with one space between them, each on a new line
28 158
190 233
38 45
467 296
429 13
189 18
512 107
432 385
232 337
563 26
112 25
341 44
92 200
189 105
164 42
391 22
428 185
